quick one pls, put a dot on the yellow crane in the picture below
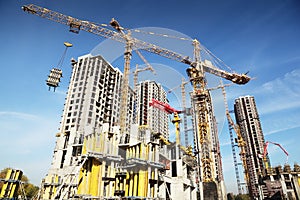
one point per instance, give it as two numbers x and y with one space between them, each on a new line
101 30
176 121
240 141
183 96
137 70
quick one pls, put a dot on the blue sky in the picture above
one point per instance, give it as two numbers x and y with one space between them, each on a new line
257 36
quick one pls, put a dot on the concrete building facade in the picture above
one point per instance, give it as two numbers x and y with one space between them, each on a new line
92 100
154 118
281 183
248 119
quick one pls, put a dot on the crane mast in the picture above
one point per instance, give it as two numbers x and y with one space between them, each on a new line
135 73
241 142
230 127
185 125
201 98
168 109
125 84
183 96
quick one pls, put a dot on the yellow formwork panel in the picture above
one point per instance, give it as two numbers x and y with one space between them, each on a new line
126 183
146 182
9 189
130 184
102 174
14 188
80 189
53 189
135 185
147 152
143 183
94 178
117 184
6 185
84 150
100 184
109 174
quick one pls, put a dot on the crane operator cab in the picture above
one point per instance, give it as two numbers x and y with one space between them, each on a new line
56 73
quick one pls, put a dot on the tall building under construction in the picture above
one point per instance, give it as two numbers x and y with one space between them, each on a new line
248 120
91 106
89 162
156 119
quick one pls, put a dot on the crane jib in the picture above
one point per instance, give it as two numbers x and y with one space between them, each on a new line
76 25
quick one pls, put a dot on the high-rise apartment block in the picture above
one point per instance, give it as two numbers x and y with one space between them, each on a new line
155 119
92 100
247 118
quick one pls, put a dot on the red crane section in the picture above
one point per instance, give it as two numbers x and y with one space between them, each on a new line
277 144
168 109
164 107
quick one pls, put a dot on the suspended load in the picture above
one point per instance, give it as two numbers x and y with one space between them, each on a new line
54 78
56 73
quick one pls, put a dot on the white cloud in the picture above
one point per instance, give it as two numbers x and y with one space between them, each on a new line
280 94
19 115
281 130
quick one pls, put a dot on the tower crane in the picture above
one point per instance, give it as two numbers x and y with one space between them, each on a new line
176 121
240 141
198 67
148 67
76 25
183 96
168 109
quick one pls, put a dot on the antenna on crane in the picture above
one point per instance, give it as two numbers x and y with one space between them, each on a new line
56 73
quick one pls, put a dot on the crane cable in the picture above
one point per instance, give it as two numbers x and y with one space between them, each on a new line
213 57
60 62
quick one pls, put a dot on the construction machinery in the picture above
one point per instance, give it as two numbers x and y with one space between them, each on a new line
168 109
132 43
240 141
137 70
176 121
183 97
148 67
198 67
265 154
